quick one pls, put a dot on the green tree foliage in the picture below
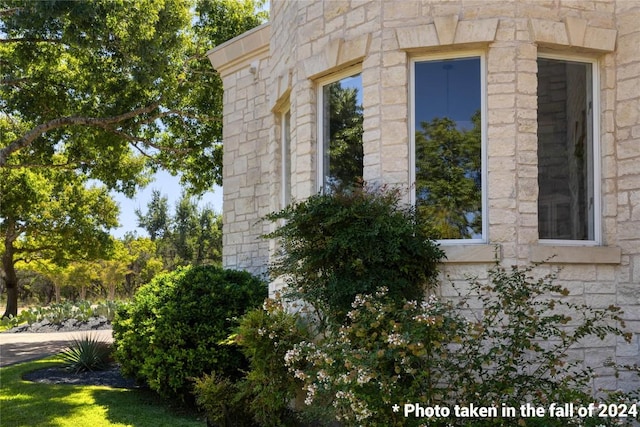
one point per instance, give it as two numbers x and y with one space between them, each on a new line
337 246
192 235
116 85
156 220
51 214
132 262
109 91
449 179
144 264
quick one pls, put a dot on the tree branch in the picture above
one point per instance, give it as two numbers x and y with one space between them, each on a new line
67 166
10 11
30 40
28 138
135 140
13 82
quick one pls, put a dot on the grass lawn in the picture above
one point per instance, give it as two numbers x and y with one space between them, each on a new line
23 403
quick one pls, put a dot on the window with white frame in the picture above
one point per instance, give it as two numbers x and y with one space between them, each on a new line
340 131
568 200
448 168
285 138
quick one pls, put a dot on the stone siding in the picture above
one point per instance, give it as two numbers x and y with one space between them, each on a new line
280 64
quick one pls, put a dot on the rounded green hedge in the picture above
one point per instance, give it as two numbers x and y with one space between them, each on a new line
175 328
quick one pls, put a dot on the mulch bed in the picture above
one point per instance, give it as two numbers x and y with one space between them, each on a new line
59 375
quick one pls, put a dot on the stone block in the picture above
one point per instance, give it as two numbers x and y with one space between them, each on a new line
501 88
500 117
628 149
627 51
354 50
498 101
323 61
418 36
446 28
576 29
501 185
600 39
628 89
483 30
544 31
500 147
527 83
528 188
334 8
401 10
355 17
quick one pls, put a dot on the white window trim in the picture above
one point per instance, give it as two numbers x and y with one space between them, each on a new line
597 171
320 83
285 166
483 143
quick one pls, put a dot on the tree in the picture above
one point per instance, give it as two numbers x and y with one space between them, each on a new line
185 228
145 264
116 86
51 214
448 178
209 239
112 272
192 235
156 220
108 91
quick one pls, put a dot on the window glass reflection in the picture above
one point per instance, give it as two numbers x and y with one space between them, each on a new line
342 133
448 146
565 150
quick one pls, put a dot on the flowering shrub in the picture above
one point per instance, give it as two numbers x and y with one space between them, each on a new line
385 354
506 342
264 336
265 393
436 352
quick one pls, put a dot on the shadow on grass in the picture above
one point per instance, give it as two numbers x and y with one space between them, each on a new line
150 410
28 404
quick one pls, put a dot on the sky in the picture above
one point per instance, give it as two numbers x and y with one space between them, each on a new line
169 186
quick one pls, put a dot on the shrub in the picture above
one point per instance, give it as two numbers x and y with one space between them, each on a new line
87 354
265 335
264 395
336 246
437 353
174 329
222 401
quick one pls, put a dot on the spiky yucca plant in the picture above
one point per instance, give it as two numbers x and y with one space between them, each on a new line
87 354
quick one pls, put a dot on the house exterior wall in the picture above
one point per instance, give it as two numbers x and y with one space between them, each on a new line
278 66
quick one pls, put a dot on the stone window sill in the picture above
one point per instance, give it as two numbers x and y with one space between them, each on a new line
467 254
553 254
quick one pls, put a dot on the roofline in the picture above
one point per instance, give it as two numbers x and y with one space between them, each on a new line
237 51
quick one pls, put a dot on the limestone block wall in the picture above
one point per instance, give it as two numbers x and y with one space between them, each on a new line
307 41
248 163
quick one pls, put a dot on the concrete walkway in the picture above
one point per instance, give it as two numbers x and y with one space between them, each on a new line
24 346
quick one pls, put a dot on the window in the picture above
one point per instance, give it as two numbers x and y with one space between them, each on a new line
448 133
567 196
340 131
285 123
